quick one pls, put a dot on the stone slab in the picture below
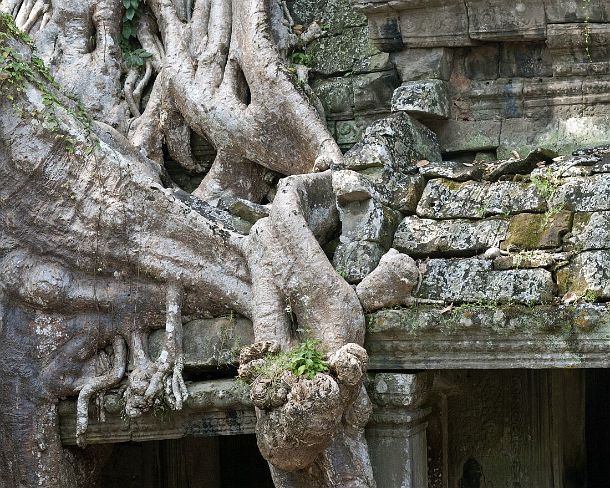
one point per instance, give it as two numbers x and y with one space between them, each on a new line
583 194
217 407
588 276
474 280
396 142
426 237
467 135
422 64
446 199
567 11
498 20
560 134
490 337
591 230
426 98
529 231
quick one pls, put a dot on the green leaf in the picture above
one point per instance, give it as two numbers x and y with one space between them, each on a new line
130 14
127 31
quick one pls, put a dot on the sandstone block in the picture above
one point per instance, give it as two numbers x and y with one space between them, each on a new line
591 230
467 135
397 191
588 275
583 194
445 199
355 259
426 237
373 91
368 220
474 280
427 98
395 142
422 64
498 20
529 231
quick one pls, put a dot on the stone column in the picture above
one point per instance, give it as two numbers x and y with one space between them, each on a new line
396 432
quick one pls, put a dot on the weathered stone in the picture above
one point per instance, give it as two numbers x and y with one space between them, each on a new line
390 283
518 59
336 95
384 31
489 335
209 343
356 259
452 170
583 194
529 231
337 54
591 230
395 142
474 280
368 220
373 91
247 210
481 62
427 98
579 48
464 135
564 11
348 132
434 23
427 237
497 20
422 64
531 259
588 275
561 134
447 199
376 62
397 191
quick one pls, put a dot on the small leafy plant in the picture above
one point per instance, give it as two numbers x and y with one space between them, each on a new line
132 56
307 359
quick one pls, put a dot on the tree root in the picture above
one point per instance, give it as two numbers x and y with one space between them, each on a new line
98 384
152 383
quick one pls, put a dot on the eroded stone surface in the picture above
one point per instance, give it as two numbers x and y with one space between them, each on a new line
588 276
591 230
427 237
447 199
427 98
472 280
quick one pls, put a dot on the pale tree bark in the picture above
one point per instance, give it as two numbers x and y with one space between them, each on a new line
98 247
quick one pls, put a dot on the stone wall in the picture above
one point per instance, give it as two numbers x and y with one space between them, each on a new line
490 78
354 80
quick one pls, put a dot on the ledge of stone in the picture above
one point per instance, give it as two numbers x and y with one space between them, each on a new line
217 407
490 336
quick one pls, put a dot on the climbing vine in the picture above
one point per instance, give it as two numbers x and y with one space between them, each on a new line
133 56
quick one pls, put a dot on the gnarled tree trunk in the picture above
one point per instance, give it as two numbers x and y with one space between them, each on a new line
98 246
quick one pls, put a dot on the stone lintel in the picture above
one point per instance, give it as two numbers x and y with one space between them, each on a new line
490 336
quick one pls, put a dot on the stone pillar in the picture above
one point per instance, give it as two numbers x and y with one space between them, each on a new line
396 432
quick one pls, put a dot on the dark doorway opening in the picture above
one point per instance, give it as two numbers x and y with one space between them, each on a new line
597 427
204 462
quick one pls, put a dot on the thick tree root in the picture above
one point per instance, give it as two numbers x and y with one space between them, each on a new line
159 382
98 384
